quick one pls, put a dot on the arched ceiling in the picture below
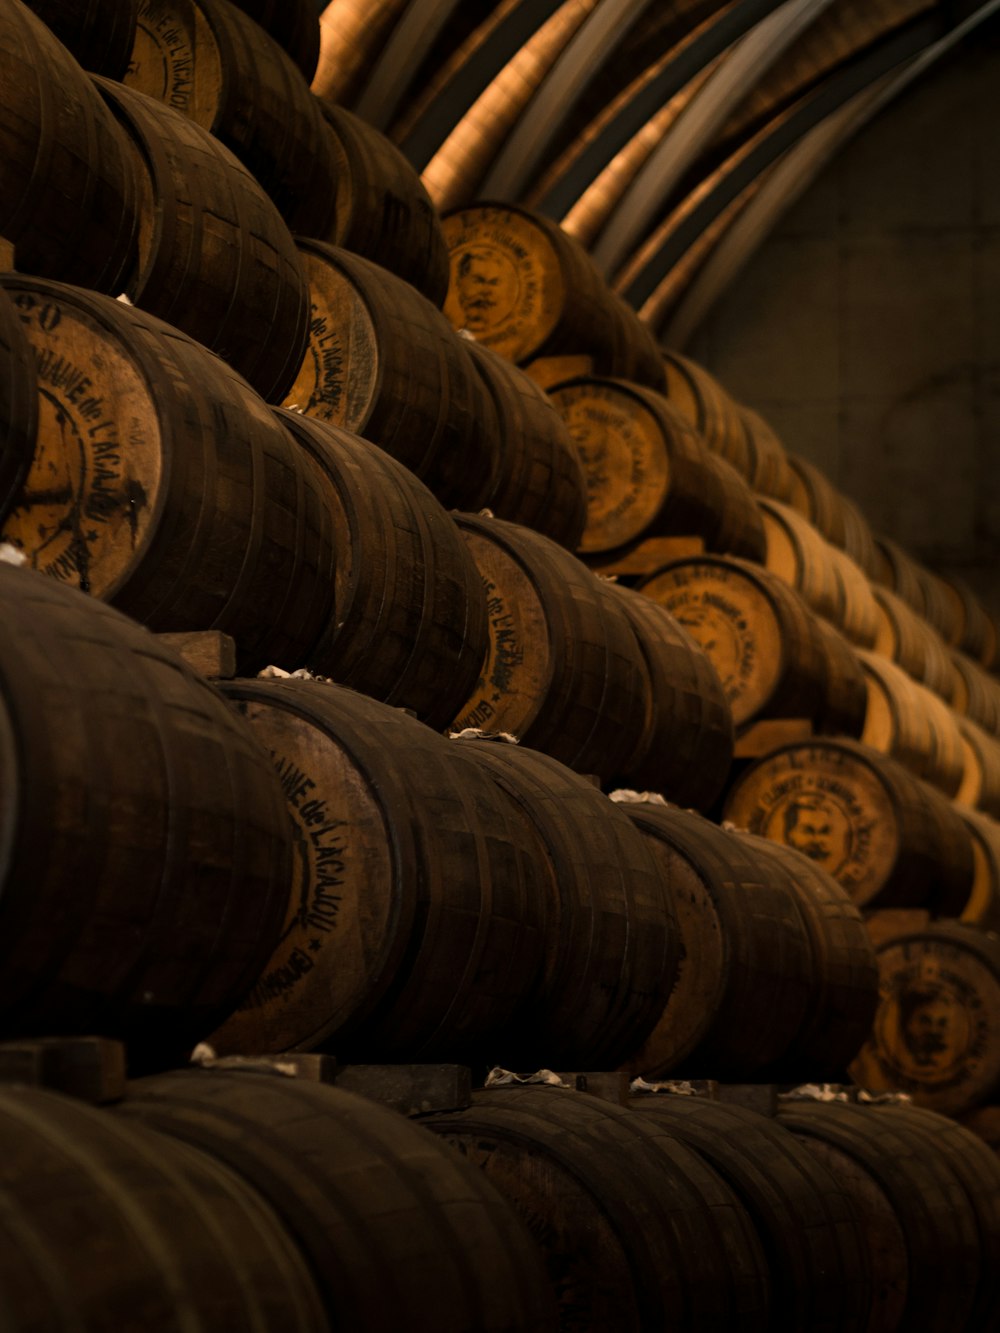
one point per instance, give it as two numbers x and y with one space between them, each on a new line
668 135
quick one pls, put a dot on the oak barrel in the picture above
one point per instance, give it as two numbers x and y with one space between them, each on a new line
686 749
384 362
68 198
410 624
746 973
107 1223
913 644
128 779
943 1252
540 482
770 473
637 1233
414 929
98 33
215 257
388 1219
611 936
936 1033
649 474
983 906
907 721
210 61
294 25
807 1221
163 484
564 672
889 839
709 408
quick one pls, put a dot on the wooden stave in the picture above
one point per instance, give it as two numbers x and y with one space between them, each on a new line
659 1263
276 551
383 211
416 636
925 1196
600 996
407 1239
425 405
806 1220
589 711
461 954
244 297
932 862
687 749
100 38
846 998
82 229
105 1222
180 883
540 483
972 1085
18 404
294 26
766 956
262 111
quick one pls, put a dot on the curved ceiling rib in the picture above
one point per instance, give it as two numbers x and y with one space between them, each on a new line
786 182
392 73
746 63
651 264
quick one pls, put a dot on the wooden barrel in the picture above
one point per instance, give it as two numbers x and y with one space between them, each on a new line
386 1218
907 721
612 941
686 750
899 571
889 839
540 481
936 1034
712 412
845 994
414 929
528 290
131 781
18 404
99 34
932 1276
384 363
103 1220
410 613
383 211
68 197
765 644
743 989
983 906
829 580
909 641
213 63
770 473
215 257
563 672
637 1232
817 499
859 540
976 630
976 693
807 1221
163 484
294 25
648 473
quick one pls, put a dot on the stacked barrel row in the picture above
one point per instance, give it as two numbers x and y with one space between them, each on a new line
400 895
249 1199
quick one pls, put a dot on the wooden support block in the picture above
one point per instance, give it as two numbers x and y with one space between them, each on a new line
610 1086
208 651
411 1089
91 1068
759 1097
765 736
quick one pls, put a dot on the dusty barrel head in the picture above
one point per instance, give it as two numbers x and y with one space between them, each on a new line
214 64
384 362
563 672
888 838
395 827
936 1034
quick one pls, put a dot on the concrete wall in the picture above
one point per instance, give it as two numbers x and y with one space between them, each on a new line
867 328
